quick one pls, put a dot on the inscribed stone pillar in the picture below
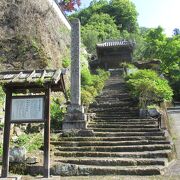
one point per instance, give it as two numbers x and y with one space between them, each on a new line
75 63
75 119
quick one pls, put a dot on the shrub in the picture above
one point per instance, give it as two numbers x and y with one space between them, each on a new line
31 142
57 114
86 77
66 62
149 87
92 84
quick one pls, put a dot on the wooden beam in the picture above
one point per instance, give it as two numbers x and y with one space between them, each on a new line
47 134
16 77
30 76
56 76
6 137
43 75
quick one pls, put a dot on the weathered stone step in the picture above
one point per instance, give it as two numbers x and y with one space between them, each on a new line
114 97
146 154
122 125
126 129
121 138
113 161
110 105
115 107
136 148
121 119
107 143
117 134
81 170
129 111
117 115
114 104
126 103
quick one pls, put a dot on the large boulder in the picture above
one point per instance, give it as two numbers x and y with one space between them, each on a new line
17 154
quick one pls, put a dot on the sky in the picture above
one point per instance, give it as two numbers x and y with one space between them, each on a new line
154 13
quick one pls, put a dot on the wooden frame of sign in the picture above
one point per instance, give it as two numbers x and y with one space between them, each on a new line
16 113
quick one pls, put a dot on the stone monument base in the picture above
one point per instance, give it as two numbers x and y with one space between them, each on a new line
75 121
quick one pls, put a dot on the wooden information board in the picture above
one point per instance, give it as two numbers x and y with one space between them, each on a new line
27 108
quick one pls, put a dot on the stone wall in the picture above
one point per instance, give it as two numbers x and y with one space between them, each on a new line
32 35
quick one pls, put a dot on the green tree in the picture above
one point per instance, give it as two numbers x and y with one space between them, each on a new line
123 11
125 14
155 40
99 28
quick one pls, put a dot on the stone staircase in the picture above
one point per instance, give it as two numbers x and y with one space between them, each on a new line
123 143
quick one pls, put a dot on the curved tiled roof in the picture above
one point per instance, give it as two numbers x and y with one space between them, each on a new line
117 43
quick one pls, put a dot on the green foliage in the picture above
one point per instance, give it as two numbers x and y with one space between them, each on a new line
125 14
66 62
153 44
99 27
123 11
1 149
90 39
92 84
57 114
31 142
2 97
149 87
86 77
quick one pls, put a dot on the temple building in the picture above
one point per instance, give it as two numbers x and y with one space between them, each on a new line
111 54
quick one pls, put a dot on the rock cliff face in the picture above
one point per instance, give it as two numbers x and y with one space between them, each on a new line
32 36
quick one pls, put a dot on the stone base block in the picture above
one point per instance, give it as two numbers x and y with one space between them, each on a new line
69 124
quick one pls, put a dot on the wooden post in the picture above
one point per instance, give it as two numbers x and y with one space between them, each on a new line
7 126
47 134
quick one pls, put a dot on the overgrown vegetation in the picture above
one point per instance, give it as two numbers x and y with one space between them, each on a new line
92 84
154 44
31 142
149 87
66 62
57 114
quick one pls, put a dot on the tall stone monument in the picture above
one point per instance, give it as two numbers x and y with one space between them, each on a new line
75 118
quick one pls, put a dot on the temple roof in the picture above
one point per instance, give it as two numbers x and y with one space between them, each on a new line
116 43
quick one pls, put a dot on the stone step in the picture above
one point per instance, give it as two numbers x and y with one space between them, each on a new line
130 148
117 134
116 104
107 104
113 97
113 101
113 161
107 143
126 129
147 154
117 115
116 109
112 139
88 170
105 123
122 125
122 119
